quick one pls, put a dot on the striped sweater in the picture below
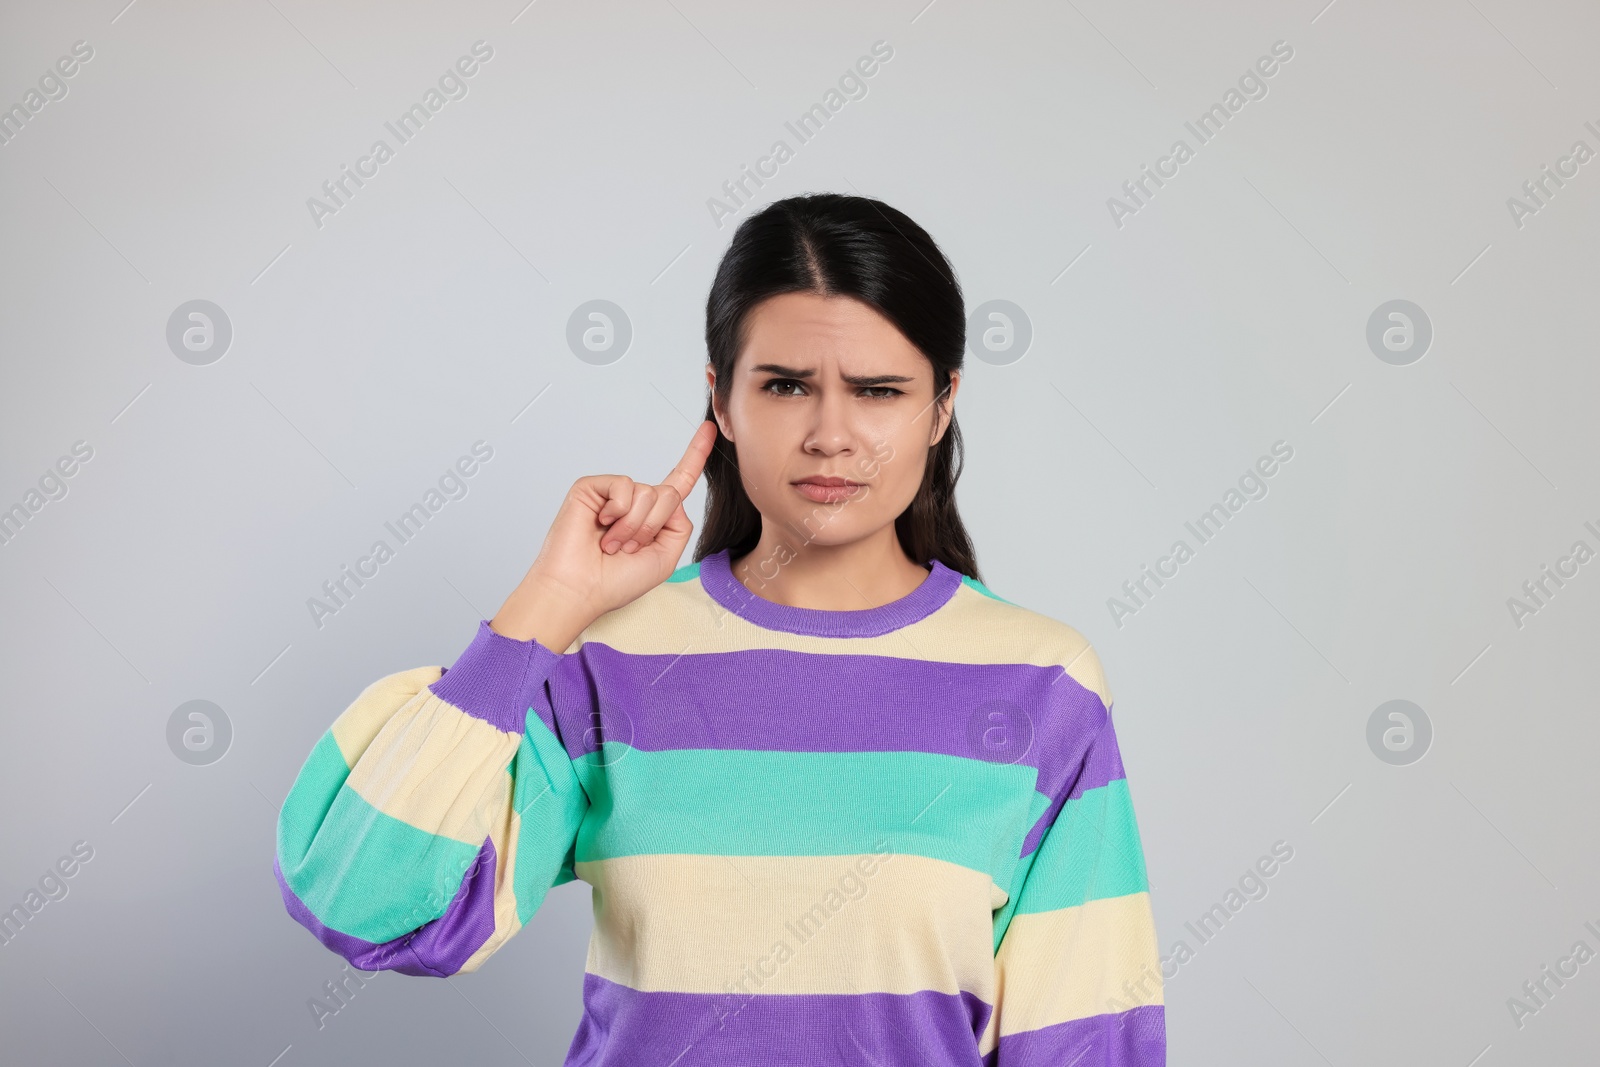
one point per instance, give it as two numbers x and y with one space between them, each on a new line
898 835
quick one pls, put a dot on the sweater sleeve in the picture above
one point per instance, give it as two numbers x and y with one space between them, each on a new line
1076 959
432 817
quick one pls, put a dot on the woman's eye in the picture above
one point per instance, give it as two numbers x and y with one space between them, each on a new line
781 387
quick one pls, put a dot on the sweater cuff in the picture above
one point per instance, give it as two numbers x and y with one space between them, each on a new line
496 678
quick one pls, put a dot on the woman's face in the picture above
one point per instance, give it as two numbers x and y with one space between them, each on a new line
826 387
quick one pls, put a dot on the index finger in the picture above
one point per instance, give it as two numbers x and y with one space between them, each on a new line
687 472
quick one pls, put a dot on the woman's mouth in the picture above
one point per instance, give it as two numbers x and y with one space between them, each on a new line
828 490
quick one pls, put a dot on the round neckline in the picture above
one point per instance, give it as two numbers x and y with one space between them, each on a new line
719 582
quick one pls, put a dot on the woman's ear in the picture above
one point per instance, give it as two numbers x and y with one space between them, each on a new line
717 408
946 408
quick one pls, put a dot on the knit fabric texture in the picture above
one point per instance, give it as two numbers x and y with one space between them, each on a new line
891 836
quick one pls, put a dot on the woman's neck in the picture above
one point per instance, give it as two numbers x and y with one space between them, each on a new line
849 577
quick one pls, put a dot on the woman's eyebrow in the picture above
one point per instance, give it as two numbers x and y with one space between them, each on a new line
852 379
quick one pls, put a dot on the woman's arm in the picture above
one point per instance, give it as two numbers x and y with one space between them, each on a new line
430 820
1076 957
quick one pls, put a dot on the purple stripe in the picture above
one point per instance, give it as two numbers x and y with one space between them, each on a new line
497 679
781 700
1133 1038
1102 763
739 1029
717 579
438 948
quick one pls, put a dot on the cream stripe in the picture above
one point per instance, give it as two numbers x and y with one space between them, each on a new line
678 617
503 832
705 924
1054 966
432 766
355 728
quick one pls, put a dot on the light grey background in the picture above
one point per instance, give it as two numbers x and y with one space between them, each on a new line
1230 312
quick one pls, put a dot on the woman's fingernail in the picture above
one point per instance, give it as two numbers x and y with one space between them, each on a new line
631 546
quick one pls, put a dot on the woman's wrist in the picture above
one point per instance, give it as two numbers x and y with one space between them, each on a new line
538 611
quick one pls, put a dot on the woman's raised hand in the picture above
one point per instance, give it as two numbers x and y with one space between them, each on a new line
613 540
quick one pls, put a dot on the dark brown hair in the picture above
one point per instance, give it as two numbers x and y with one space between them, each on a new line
832 244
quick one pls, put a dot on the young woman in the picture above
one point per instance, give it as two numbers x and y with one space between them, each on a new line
839 803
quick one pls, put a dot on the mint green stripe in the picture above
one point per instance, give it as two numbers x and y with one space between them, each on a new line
373 876
685 572
550 804
309 799
742 802
968 580
1091 852
1017 877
